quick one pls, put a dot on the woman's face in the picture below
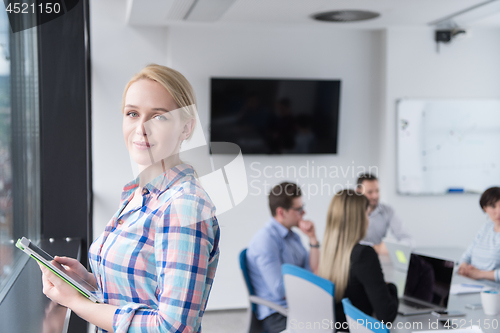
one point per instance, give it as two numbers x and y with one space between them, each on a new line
493 212
152 125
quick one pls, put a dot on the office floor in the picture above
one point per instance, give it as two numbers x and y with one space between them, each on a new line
226 321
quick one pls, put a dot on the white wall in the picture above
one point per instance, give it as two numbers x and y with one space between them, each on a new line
118 52
467 68
352 56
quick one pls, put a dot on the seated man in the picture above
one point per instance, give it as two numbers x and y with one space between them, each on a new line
382 217
277 244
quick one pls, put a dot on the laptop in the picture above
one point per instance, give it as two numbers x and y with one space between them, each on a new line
399 254
427 285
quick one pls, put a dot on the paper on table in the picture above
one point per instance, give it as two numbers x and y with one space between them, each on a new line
473 329
460 288
401 257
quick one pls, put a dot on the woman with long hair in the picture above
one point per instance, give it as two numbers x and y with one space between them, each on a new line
156 259
354 268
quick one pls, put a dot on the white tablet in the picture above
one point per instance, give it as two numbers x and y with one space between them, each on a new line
47 260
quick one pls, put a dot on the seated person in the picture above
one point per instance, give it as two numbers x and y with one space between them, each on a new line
354 268
382 217
482 258
277 244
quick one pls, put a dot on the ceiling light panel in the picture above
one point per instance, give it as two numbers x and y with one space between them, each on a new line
157 12
209 10
471 14
392 12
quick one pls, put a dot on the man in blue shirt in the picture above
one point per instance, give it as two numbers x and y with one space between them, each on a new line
277 244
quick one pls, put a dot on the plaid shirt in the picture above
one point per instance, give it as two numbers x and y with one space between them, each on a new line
157 261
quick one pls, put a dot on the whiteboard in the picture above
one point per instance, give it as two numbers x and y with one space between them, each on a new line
447 146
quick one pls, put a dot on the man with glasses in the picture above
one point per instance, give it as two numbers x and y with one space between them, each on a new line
277 244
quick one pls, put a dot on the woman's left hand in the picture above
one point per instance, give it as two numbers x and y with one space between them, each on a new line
58 290
473 273
61 292
476 274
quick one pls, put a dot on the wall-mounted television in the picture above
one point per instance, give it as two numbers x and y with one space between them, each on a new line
275 116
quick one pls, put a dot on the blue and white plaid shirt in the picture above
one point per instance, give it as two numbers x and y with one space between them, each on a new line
157 261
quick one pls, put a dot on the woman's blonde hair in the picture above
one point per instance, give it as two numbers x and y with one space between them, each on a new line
175 83
346 225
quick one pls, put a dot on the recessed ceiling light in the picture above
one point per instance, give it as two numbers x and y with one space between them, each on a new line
345 16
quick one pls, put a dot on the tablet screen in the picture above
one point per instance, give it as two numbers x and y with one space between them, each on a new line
40 252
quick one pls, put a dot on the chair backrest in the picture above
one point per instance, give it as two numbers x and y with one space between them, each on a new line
360 322
310 301
244 270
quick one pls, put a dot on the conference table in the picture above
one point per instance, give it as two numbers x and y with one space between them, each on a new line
427 322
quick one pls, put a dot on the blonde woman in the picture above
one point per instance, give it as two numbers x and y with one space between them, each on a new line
353 267
156 259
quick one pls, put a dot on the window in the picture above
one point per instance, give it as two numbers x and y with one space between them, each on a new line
19 147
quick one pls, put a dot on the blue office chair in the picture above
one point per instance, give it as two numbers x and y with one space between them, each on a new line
310 301
254 325
365 324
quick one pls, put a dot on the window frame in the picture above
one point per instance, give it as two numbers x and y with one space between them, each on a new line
24 144
65 137
65 131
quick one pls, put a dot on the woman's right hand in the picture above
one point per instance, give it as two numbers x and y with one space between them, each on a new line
76 267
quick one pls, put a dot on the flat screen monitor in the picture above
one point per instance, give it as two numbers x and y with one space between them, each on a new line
276 116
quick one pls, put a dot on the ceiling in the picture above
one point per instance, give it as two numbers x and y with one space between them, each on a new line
298 12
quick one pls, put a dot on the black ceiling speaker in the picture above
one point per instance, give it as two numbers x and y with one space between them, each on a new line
345 16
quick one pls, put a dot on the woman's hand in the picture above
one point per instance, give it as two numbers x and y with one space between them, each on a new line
61 292
76 267
463 268
58 290
474 273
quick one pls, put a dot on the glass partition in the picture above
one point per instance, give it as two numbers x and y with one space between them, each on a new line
19 147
